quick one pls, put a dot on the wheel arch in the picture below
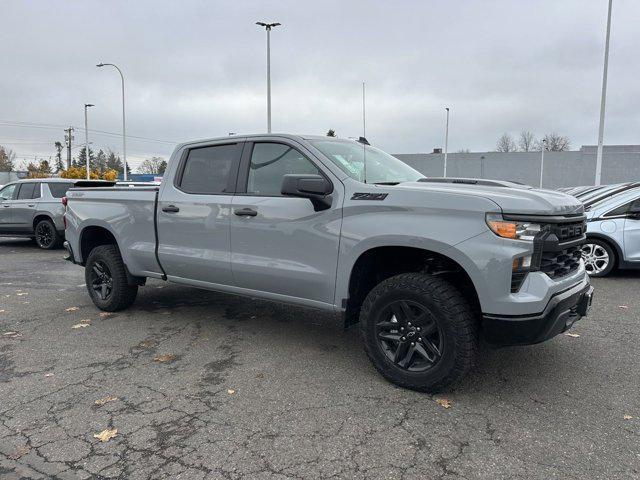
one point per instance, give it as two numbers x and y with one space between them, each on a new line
378 263
94 236
39 217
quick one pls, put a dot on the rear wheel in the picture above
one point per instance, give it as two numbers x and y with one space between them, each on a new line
106 279
46 235
419 331
599 258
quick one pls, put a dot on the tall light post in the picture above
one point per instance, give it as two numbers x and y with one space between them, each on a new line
86 139
603 99
446 142
268 27
124 128
544 147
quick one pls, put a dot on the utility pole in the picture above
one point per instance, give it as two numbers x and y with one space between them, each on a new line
268 27
86 139
68 138
446 142
603 99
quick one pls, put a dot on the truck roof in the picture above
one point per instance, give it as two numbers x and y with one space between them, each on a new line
290 136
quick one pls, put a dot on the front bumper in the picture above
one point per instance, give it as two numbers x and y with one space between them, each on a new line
562 311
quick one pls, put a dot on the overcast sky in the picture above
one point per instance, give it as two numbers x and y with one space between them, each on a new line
196 69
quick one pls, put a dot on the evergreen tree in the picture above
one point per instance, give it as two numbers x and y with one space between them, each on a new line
81 160
59 164
114 162
100 163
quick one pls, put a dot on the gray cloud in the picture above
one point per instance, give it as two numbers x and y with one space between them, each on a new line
197 69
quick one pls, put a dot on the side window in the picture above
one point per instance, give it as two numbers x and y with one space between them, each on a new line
59 189
36 190
26 191
270 162
623 209
210 170
7 192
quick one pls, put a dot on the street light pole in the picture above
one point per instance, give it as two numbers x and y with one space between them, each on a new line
124 128
268 27
544 147
603 99
86 139
446 142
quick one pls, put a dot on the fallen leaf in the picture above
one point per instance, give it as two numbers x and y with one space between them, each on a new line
106 435
107 399
81 325
146 344
165 358
259 375
50 374
443 402
573 335
26 303
623 306
628 417
22 294
105 314
12 334
231 391
71 309
1 311
20 452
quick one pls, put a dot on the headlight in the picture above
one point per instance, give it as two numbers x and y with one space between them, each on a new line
510 229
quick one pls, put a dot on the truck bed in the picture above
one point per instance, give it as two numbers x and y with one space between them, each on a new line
129 213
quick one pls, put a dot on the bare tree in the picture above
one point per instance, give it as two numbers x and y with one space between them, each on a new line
526 141
506 144
555 142
151 165
7 158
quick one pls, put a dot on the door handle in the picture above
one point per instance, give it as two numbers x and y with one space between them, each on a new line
246 212
6 206
31 205
170 209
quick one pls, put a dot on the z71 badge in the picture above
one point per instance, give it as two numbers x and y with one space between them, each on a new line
369 196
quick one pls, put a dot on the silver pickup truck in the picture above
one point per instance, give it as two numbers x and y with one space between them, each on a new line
427 267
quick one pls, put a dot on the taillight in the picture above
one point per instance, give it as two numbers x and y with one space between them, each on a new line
64 201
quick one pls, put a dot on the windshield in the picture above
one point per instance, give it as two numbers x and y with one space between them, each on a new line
365 163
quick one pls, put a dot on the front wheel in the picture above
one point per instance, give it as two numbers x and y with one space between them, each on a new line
599 258
419 331
106 279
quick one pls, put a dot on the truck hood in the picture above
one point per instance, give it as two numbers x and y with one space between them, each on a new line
510 197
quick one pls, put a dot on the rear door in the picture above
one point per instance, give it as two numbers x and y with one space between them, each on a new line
24 206
282 245
6 207
193 214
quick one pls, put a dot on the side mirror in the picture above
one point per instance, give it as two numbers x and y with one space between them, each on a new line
314 187
634 212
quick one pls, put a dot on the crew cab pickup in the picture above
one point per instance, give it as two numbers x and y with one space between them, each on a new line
426 267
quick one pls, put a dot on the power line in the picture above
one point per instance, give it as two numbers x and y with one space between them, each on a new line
49 126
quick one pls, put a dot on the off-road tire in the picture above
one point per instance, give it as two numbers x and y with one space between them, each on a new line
451 311
122 295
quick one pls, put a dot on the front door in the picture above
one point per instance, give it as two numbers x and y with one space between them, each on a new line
632 233
282 245
193 214
6 204
24 206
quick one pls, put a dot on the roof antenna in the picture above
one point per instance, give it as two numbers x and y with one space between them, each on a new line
364 135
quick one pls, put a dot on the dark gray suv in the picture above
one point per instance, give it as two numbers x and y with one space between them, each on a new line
33 208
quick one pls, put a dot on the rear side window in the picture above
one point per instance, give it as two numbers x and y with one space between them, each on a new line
623 209
210 170
7 192
59 190
26 191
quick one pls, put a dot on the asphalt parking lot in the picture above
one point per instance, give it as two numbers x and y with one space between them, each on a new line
203 385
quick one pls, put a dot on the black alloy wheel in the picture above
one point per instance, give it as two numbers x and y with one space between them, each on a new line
45 235
410 336
101 280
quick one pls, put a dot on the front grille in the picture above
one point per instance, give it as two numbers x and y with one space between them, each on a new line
561 263
568 231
